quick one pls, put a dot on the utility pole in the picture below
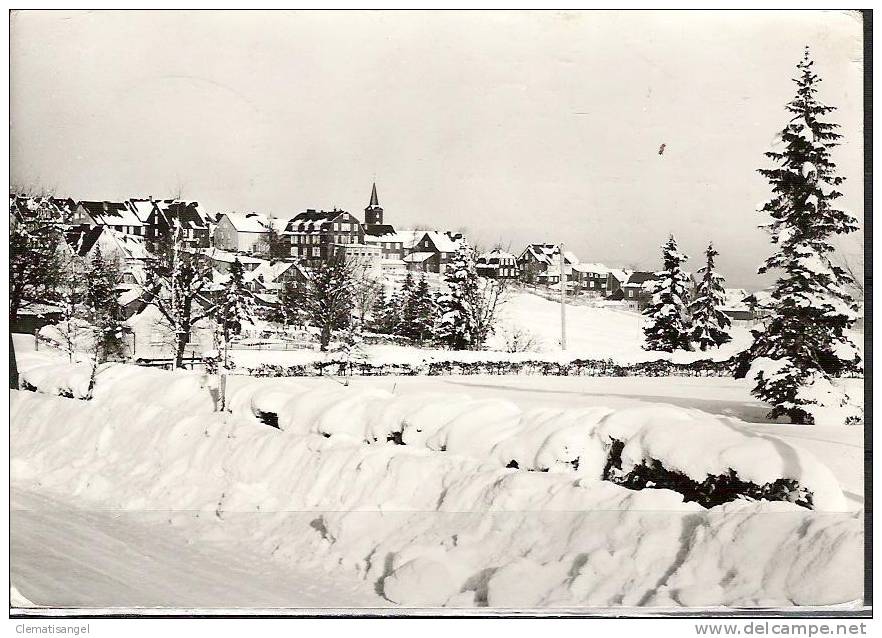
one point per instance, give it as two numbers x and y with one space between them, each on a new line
563 301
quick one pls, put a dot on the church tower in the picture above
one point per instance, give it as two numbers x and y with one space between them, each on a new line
373 214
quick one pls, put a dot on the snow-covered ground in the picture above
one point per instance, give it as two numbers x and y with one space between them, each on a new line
72 557
592 333
440 520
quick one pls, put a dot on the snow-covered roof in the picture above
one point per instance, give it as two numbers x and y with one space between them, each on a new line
249 222
142 208
442 241
620 275
548 253
407 238
111 213
311 221
187 213
227 257
268 273
82 242
590 267
496 255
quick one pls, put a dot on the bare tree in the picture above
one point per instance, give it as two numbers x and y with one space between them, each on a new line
366 289
178 280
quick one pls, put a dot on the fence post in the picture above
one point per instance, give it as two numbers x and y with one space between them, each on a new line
223 392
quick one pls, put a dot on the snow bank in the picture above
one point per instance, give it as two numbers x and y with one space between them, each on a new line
430 528
692 443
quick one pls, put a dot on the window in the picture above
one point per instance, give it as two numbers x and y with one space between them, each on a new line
316 251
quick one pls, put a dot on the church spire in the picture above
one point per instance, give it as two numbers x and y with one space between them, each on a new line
373 214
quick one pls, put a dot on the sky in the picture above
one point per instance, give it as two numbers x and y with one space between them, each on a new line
516 127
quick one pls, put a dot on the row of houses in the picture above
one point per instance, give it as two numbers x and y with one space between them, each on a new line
148 218
309 237
317 236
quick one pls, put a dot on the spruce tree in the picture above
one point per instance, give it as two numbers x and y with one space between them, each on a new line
236 306
384 314
404 322
803 345
101 303
423 311
456 324
667 319
709 324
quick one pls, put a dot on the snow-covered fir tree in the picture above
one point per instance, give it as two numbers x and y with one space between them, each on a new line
803 345
667 317
423 311
383 313
101 304
404 326
236 306
456 326
710 325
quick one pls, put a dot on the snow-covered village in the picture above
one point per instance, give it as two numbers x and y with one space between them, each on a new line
326 348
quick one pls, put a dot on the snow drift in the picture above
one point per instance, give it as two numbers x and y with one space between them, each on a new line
650 443
440 520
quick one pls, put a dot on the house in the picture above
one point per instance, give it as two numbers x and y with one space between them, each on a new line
39 211
164 215
636 290
591 278
243 232
270 277
761 304
536 259
221 260
735 305
433 251
314 234
115 215
129 251
615 279
597 279
363 257
497 264
150 339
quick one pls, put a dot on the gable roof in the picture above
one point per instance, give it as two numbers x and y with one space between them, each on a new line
187 213
640 277
82 242
495 255
548 253
407 238
225 256
249 222
443 242
143 208
111 213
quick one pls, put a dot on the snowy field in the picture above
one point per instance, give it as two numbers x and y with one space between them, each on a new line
592 333
336 514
